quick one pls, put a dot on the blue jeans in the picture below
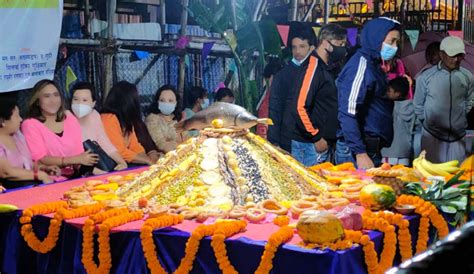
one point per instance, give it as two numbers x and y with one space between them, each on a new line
305 153
344 154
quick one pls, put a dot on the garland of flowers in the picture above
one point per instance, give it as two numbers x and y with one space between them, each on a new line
281 220
192 246
224 230
61 213
283 235
49 242
404 236
373 222
111 219
146 236
428 213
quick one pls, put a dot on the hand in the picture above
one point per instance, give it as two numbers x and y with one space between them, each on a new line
51 170
88 158
2 189
154 156
44 177
321 145
120 166
364 161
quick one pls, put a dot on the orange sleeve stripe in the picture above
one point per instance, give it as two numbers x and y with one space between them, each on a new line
308 78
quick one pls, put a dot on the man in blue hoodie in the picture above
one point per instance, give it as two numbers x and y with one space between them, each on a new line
365 106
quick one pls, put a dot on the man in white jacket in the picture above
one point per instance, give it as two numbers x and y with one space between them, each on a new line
444 95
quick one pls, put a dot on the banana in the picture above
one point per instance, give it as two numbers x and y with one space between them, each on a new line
419 168
428 166
4 208
453 163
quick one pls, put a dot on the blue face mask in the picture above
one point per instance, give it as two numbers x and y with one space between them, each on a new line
388 52
205 104
298 63
166 108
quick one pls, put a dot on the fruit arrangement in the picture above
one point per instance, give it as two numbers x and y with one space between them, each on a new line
377 197
428 169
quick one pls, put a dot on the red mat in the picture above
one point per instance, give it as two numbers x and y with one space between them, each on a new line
53 192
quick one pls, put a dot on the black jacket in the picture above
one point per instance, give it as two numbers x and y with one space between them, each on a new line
312 106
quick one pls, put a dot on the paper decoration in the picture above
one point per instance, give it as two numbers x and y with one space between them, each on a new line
433 4
370 4
70 77
219 86
352 36
284 30
364 8
316 31
413 35
182 42
206 49
457 33
187 62
142 54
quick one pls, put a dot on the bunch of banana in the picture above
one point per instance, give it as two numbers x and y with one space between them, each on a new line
428 169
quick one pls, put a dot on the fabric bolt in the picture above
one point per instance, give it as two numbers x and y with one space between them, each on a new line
128 147
43 142
93 129
20 157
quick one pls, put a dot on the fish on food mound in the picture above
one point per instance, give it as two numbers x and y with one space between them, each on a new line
233 116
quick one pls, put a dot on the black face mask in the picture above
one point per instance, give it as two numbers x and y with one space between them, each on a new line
337 53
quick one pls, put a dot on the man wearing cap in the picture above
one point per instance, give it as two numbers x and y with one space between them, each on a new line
444 95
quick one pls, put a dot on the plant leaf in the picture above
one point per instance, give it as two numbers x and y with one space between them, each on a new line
448 209
454 180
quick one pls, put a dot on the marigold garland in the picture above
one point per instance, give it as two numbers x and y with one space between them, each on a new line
61 213
283 235
224 230
428 213
372 222
148 244
109 219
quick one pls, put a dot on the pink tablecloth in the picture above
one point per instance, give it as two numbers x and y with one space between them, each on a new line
53 192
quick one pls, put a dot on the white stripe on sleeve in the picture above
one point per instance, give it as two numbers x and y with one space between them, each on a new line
351 109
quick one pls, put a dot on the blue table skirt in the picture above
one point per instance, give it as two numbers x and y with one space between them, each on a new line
127 254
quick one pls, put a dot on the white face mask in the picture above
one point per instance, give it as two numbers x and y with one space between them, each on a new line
81 110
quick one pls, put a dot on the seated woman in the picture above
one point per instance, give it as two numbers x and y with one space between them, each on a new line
164 114
224 95
53 134
17 169
197 100
120 110
83 101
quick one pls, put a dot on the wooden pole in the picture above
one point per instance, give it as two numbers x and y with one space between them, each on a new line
109 58
182 63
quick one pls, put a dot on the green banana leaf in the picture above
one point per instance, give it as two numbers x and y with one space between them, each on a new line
454 180
206 18
271 37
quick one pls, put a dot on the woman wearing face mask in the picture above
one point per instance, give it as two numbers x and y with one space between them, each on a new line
197 100
14 151
82 105
52 133
164 114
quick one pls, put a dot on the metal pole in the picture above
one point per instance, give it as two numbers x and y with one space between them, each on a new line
327 11
163 15
257 10
109 58
87 17
293 10
234 15
305 18
182 63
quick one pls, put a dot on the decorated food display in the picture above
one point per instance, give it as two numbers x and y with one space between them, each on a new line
229 177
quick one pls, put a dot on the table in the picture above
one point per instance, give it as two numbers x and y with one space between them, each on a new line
244 249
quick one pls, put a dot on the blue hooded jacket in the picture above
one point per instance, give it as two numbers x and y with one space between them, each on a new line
364 109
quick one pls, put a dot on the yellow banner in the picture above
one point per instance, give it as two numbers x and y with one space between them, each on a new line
22 4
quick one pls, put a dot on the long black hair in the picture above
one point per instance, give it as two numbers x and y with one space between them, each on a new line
8 102
195 93
123 101
154 105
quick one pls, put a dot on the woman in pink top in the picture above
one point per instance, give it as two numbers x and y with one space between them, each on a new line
54 135
82 105
13 148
